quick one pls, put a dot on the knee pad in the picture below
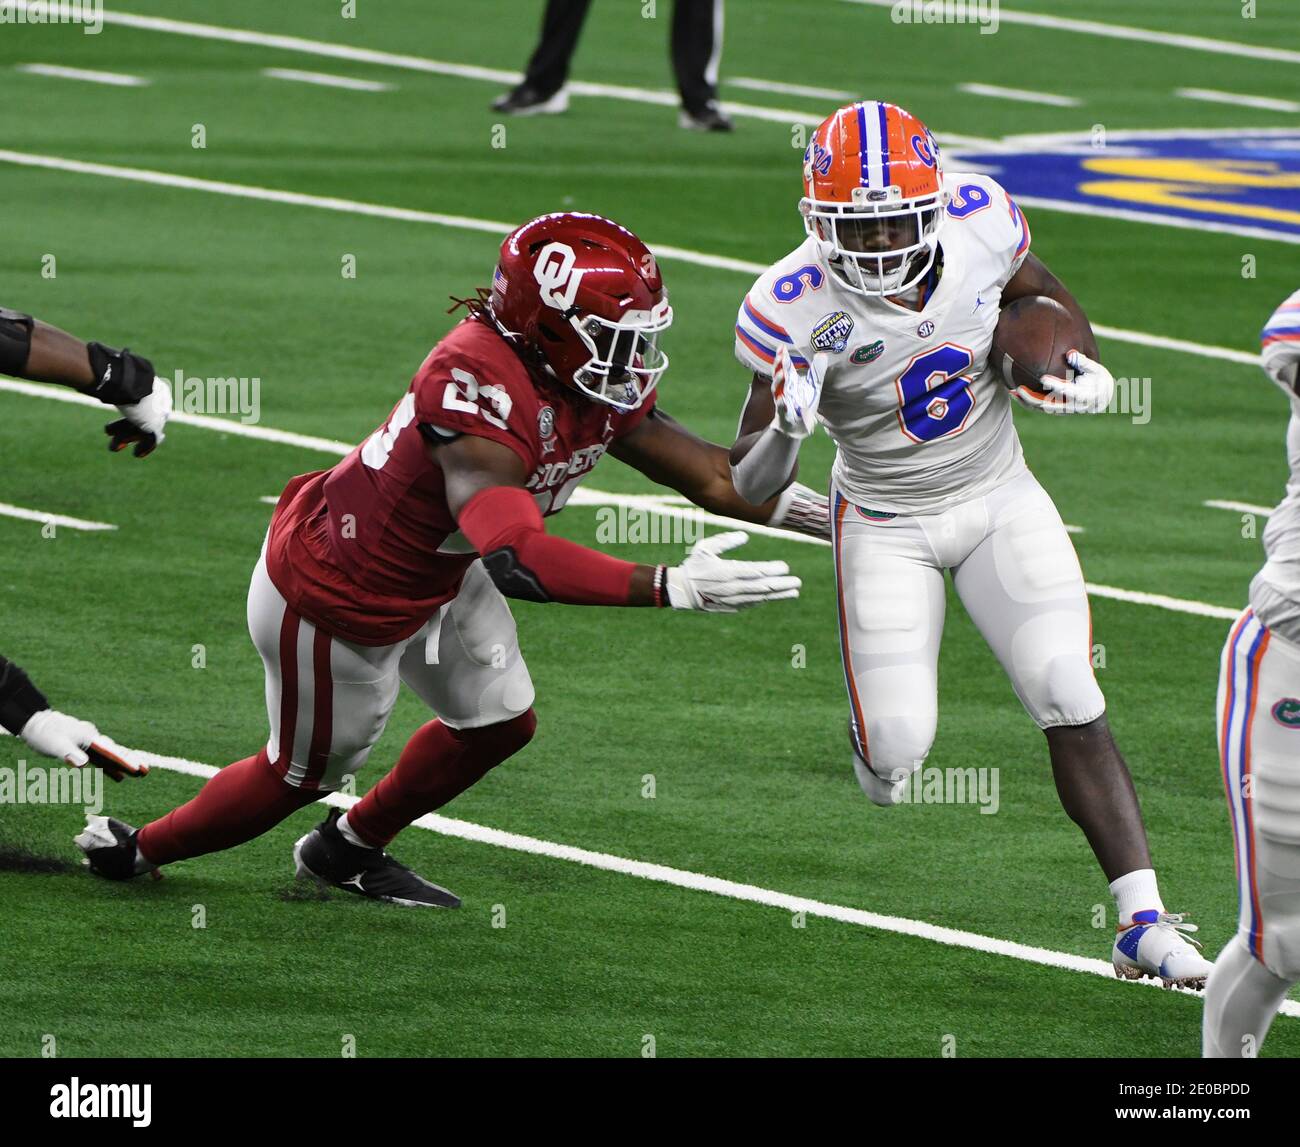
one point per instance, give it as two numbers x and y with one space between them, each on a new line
1052 671
895 747
505 738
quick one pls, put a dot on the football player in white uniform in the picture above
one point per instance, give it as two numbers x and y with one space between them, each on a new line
1259 748
879 326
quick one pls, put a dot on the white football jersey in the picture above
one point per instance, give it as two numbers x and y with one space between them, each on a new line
918 420
1275 592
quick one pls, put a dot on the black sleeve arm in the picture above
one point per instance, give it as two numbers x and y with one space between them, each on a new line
20 700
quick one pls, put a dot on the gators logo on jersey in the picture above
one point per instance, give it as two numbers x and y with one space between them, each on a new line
1234 180
1287 712
832 332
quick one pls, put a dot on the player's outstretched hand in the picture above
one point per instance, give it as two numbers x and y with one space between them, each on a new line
796 395
142 422
1088 392
77 742
720 585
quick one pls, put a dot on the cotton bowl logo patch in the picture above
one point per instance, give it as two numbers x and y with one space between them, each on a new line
868 353
1287 712
832 332
545 422
1239 181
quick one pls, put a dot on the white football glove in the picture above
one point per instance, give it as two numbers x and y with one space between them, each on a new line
796 395
78 743
720 585
1088 392
142 422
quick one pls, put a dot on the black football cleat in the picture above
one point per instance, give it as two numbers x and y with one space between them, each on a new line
708 118
110 849
527 100
325 856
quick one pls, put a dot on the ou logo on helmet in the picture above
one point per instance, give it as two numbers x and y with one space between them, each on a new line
556 275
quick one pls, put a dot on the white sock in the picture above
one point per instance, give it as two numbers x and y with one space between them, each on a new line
1241 999
1136 891
350 833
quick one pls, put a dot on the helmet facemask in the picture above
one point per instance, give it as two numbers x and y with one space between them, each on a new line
625 362
880 244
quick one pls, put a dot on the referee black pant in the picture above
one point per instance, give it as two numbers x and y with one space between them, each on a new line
696 48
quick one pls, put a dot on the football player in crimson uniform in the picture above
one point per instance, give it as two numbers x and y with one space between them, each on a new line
879 326
38 352
395 565
1259 750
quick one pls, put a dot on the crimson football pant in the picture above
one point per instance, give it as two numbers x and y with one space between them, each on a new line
328 701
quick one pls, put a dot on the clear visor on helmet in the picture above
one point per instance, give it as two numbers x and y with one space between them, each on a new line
881 249
626 362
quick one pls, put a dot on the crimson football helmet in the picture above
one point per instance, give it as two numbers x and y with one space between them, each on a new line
584 299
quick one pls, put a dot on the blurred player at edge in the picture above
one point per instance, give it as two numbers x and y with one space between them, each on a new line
879 326
38 352
1259 749
396 564
696 50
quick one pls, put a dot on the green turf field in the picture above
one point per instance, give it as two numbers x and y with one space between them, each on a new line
748 753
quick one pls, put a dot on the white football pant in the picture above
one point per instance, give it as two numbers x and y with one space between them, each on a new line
1015 571
328 700
1259 750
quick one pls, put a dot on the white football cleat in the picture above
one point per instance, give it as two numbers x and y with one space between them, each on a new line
1155 946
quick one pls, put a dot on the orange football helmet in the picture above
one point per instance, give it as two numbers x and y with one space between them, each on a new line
873 196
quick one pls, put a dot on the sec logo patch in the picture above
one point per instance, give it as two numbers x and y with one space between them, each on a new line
926 329
1287 712
832 332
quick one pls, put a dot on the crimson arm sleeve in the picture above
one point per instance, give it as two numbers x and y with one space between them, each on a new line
505 526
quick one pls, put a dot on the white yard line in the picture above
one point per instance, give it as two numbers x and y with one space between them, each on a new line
714 885
787 89
1124 32
490 227
46 518
1239 507
1019 95
325 80
58 72
1163 601
1209 95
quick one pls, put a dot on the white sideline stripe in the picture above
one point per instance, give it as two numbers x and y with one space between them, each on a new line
8 511
465 223
58 72
1124 32
1039 139
714 885
1209 95
325 80
1021 95
1239 507
787 89
1162 601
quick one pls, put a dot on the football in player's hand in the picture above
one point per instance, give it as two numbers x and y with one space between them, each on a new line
1032 338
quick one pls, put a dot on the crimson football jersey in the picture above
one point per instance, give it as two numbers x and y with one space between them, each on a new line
368 550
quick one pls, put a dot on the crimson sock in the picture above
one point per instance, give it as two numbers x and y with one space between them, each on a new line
438 763
242 801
